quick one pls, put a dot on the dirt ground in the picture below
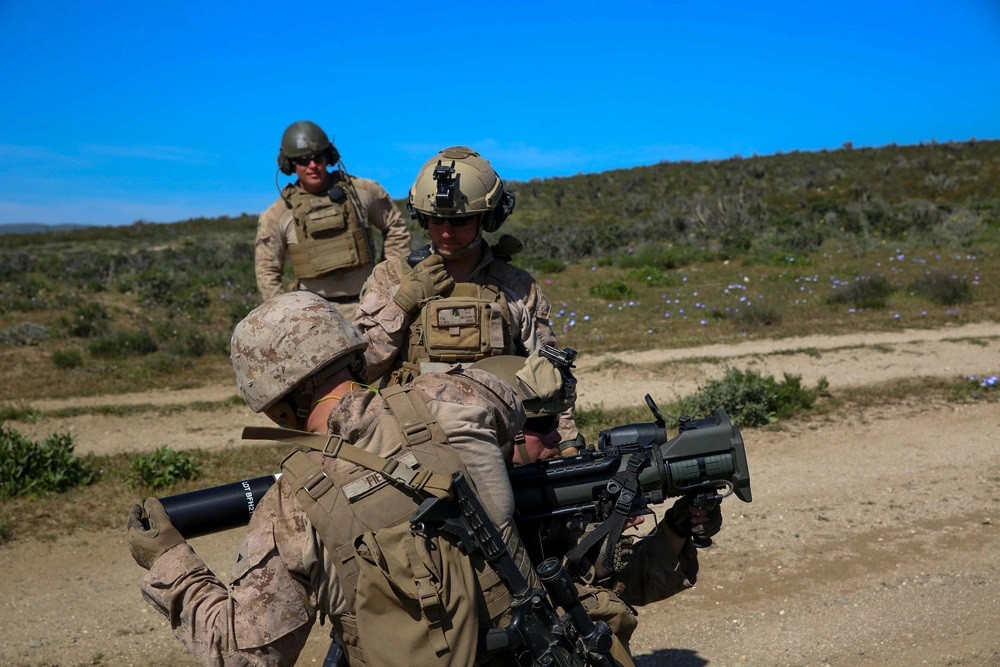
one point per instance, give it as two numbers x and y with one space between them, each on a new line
872 538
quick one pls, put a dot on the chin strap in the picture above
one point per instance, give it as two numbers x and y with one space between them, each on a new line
460 253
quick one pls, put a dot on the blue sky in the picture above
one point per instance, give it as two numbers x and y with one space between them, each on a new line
113 112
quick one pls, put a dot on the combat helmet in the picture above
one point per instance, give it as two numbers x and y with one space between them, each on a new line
301 139
287 340
458 182
506 367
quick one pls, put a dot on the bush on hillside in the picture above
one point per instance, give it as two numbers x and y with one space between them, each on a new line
49 466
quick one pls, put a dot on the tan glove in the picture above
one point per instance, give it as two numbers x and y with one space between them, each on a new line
148 544
542 385
427 279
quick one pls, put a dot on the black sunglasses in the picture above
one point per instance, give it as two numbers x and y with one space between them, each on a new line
318 158
462 221
541 424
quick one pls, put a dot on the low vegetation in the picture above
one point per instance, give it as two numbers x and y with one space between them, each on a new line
671 255
28 467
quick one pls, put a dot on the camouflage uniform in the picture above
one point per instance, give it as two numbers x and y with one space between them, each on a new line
276 230
386 326
283 576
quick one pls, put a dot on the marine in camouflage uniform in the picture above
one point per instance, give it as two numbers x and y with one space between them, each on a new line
323 223
287 355
461 300
647 569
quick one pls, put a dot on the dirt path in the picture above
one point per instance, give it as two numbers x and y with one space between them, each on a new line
872 539
612 380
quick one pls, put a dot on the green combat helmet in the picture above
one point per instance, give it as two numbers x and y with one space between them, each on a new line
287 340
456 183
301 139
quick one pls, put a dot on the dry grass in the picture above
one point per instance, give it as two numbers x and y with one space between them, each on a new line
703 307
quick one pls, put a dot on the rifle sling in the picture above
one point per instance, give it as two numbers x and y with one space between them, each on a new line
614 525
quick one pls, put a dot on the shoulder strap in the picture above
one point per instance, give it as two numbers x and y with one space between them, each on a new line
334 446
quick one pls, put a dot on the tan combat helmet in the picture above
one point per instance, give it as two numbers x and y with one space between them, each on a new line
288 339
457 182
506 368
301 139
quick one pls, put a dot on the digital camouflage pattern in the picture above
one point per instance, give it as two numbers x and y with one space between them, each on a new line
282 577
276 231
285 340
386 325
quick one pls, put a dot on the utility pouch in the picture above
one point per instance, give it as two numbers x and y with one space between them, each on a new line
468 325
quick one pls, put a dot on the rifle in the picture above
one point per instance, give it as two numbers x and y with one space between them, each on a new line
536 630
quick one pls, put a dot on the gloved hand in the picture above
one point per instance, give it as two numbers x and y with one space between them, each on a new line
148 544
427 279
686 520
541 385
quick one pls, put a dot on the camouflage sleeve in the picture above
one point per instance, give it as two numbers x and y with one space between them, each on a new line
479 412
381 321
655 571
265 616
385 216
270 247
531 313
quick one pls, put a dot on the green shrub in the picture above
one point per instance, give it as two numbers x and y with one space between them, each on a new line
547 265
661 257
163 467
87 320
942 288
751 399
751 316
865 292
650 276
122 344
40 467
66 359
616 289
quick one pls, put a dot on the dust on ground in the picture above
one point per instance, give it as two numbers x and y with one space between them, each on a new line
872 538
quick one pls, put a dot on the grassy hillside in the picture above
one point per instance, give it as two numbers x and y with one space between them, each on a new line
658 256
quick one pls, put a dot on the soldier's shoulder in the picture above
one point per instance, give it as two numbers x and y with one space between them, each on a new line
366 184
463 385
274 211
513 280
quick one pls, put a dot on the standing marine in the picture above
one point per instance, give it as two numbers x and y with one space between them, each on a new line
458 299
323 223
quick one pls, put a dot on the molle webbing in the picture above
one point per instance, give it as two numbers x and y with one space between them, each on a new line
357 513
330 234
473 322
319 482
